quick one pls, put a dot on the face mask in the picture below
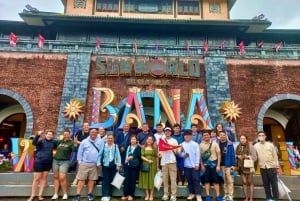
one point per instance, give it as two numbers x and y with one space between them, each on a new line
261 138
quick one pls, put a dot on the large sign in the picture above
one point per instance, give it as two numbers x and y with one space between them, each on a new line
197 110
112 66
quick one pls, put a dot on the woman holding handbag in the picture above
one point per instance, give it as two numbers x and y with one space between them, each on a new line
132 163
148 168
246 156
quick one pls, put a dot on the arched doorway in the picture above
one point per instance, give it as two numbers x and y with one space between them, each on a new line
16 117
279 117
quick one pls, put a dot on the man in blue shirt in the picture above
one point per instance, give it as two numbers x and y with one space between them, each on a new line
87 159
227 164
142 136
122 140
196 136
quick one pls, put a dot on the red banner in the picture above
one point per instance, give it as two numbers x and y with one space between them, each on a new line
164 146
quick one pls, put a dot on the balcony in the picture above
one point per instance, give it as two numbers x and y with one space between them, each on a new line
155 50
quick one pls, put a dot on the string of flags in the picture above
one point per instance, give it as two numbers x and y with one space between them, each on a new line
13 39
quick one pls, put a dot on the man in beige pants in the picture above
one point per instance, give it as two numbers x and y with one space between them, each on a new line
169 167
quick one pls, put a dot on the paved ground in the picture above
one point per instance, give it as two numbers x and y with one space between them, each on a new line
97 199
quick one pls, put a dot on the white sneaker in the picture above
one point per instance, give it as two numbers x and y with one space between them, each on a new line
199 198
65 196
190 197
165 197
54 197
173 198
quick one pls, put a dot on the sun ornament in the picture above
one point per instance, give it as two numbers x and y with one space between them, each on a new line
74 109
230 111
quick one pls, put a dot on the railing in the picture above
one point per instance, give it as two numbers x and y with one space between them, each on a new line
128 49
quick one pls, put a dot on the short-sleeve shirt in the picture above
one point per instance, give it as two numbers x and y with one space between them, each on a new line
215 149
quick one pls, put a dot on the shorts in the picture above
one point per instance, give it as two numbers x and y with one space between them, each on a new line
210 175
60 166
42 167
85 172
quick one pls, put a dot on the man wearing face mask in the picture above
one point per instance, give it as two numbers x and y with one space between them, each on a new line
268 162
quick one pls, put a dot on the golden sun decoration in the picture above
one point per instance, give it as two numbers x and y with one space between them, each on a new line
73 109
230 111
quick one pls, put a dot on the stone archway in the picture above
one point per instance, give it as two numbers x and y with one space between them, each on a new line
26 107
264 108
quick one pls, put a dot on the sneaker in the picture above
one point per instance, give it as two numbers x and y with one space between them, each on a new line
208 198
105 198
229 198
190 197
219 198
173 198
199 198
65 196
225 197
165 197
90 197
76 198
54 197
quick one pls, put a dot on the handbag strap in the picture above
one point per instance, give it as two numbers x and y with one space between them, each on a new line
210 145
94 146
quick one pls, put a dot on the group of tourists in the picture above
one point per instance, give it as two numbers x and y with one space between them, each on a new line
198 159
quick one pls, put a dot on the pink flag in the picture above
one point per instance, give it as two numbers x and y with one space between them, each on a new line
98 43
41 41
205 47
13 40
260 44
278 46
242 48
222 45
187 43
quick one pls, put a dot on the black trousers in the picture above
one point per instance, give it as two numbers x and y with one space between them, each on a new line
107 178
130 180
269 178
193 179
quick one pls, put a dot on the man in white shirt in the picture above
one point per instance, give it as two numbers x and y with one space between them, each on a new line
191 155
169 167
268 163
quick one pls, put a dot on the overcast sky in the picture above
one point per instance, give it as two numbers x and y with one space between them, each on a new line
284 14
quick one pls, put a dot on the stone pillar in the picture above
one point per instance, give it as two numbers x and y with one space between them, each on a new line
217 86
75 86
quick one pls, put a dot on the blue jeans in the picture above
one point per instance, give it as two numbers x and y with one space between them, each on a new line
108 176
193 179
269 178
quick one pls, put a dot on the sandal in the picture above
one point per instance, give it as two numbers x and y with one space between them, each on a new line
31 198
41 198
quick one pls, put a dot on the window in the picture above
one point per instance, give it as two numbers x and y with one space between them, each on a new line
214 7
107 6
79 3
153 6
188 7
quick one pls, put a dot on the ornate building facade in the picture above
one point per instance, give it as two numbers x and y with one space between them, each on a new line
116 46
